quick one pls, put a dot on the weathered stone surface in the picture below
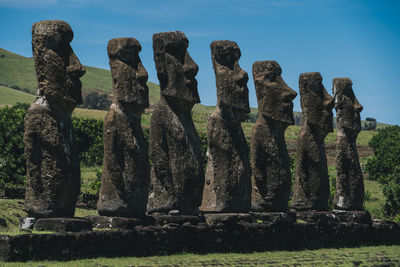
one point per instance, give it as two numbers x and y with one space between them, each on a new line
104 222
228 218
227 185
335 216
319 217
349 179
357 216
274 217
63 224
177 174
311 187
52 163
126 171
162 219
271 180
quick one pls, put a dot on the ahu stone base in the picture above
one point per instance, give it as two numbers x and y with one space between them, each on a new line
226 234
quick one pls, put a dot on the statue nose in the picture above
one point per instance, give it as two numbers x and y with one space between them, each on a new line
75 67
358 106
141 73
190 69
329 102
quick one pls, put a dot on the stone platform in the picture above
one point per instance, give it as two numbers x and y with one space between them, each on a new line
201 238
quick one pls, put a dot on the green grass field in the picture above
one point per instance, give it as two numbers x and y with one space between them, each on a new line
364 256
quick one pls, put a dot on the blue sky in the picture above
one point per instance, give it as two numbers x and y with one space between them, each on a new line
338 38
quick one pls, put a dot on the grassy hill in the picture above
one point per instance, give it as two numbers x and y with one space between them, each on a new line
19 71
10 96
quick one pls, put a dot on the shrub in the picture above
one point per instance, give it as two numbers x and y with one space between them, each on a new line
384 166
12 160
89 138
94 100
95 185
391 191
203 148
386 146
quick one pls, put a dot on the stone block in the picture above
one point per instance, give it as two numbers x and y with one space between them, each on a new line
63 224
104 222
162 219
274 217
227 218
358 216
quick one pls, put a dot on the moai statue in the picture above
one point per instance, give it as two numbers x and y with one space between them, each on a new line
311 187
177 174
349 179
271 180
227 185
52 163
126 174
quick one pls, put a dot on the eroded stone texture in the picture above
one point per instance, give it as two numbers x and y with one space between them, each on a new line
177 174
228 183
349 179
311 187
271 180
126 173
52 163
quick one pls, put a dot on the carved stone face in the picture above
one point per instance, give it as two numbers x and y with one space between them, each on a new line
346 104
57 67
129 75
316 103
274 96
231 80
176 70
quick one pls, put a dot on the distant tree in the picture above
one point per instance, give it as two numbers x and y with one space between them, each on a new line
95 100
370 124
297 118
251 117
334 123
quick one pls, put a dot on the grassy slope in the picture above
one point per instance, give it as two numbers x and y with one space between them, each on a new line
10 96
16 70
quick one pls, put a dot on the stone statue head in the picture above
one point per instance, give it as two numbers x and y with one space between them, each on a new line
316 103
346 105
176 70
231 80
57 67
129 75
274 96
